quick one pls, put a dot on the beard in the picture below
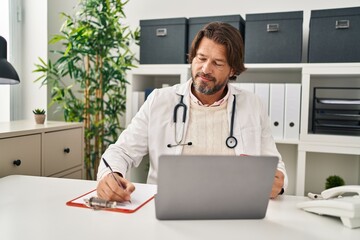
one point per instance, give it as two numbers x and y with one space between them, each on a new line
207 88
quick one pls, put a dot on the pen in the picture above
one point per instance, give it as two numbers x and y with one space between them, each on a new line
113 174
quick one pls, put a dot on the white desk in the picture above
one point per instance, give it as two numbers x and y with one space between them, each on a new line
34 208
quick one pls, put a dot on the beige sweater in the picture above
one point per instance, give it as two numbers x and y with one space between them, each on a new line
208 130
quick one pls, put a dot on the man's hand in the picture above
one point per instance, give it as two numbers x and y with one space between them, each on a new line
109 189
277 185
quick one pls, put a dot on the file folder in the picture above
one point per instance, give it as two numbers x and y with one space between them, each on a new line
263 91
292 111
276 107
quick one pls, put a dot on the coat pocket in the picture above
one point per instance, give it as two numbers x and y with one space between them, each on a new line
251 140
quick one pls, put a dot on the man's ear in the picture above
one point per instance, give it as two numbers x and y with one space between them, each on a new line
232 72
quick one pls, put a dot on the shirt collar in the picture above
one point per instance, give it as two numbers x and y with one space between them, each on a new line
215 104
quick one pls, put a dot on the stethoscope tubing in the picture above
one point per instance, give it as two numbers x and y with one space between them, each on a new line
230 142
181 104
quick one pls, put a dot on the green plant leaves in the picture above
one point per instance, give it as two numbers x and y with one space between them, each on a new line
88 78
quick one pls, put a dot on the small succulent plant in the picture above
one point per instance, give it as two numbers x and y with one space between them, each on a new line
38 111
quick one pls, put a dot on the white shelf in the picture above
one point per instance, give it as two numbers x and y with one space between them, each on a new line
181 70
287 141
149 76
314 75
332 69
283 67
327 139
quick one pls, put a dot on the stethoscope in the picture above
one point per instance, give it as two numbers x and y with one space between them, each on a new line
230 142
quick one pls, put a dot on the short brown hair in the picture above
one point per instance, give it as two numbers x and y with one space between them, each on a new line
227 35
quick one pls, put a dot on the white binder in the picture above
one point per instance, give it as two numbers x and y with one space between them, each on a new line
276 108
263 91
246 86
292 111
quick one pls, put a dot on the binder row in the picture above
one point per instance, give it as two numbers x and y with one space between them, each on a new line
282 101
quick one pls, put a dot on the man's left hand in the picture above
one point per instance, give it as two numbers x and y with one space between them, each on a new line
277 185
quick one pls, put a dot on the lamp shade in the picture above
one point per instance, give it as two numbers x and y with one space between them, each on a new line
8 75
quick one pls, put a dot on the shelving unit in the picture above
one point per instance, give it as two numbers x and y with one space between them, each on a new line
346 148
153 76
310 158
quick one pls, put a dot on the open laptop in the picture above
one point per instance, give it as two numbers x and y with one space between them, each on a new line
214 187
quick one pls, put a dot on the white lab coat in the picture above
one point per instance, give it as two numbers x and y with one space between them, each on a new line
152 129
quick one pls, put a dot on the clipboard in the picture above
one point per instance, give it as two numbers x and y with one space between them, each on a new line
143 194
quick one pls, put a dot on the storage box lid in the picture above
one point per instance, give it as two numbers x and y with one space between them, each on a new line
225 18
337 12
164 21
274 16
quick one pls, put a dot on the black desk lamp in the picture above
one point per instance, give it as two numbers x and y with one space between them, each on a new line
8 74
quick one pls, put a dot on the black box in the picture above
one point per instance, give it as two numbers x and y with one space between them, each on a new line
197 23
334 35
274 37
163 41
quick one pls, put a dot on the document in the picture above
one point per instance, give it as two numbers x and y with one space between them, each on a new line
143 194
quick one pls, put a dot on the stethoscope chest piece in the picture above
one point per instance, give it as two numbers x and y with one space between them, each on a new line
231 142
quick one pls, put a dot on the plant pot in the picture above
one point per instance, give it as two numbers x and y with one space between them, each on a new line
40 118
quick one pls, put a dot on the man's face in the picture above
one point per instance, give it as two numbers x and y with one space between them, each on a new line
210 69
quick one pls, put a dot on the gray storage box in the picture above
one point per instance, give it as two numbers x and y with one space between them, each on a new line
274 37
197 23
163 41
334 35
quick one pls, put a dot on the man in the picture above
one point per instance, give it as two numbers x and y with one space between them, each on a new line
203 108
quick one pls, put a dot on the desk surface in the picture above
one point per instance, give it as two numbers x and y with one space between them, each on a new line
34 208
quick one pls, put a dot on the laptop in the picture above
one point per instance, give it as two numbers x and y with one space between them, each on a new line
214 187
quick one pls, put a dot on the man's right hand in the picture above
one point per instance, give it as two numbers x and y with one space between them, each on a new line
109 189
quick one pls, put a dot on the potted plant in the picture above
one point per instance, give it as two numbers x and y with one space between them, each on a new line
334 181
88 78
39 115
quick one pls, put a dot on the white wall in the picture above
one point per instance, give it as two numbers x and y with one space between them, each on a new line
4 89
55 21
15 47
34 45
